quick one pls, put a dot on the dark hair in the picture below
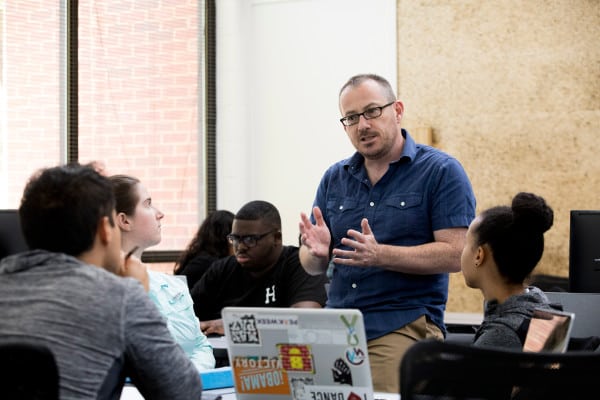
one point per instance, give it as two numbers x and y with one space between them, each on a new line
516 234
62 206
358 79
211 238
262 210
125 196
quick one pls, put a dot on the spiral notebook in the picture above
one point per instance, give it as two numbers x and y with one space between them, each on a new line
298 353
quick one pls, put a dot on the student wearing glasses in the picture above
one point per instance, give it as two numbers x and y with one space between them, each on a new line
261 273
394 217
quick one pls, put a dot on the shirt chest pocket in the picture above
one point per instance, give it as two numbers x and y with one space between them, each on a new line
343 214
405 213
405 201
172 299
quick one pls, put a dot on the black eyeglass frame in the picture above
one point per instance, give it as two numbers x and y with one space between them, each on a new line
378 110
248 240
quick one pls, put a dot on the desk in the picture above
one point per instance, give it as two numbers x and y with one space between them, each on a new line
131 393
461 327
463 318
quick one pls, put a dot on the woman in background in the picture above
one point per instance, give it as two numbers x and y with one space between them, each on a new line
503 246
140 224
209 244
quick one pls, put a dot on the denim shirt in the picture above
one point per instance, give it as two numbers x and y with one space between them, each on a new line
172 297
424 191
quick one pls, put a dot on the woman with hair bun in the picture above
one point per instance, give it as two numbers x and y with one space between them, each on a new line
503 246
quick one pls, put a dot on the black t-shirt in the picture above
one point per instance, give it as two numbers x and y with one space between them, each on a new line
227 283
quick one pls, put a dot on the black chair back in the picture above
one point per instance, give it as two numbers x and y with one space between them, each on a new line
432 369
11 236
28 371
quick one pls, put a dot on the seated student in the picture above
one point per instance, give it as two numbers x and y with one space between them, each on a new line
140 224
503 246
65 293
209 244
262 273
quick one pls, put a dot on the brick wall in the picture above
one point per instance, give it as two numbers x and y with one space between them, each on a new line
138 99
30 126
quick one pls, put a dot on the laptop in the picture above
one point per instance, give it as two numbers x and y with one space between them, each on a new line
298 353
549 330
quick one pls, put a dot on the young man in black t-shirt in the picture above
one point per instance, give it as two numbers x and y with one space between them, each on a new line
261 273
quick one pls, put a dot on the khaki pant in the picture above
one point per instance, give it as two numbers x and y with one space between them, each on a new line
385 353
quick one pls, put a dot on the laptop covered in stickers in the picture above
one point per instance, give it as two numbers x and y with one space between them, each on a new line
298 353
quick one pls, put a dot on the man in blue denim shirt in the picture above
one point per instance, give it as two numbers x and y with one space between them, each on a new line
394 217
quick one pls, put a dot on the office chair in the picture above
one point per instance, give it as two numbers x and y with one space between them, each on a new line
432 369
28 371
11 236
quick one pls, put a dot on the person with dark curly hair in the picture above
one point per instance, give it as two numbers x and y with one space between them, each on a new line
504 244
209 244
73 293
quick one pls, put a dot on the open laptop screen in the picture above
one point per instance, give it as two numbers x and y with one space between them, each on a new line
549 330
299 353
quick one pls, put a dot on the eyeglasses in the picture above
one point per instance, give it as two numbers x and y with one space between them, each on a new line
369 113
248 240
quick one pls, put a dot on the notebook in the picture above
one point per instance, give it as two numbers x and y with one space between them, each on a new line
549 330
298 353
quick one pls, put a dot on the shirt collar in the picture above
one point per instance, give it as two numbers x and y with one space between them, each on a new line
409 150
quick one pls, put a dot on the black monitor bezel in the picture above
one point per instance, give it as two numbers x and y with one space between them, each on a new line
584 257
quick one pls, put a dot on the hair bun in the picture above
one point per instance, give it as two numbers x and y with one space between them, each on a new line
532 211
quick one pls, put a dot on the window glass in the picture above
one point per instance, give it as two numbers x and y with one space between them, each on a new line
30 93
139 101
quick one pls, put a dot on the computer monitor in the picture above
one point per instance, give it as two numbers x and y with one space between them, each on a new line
11 236
584 251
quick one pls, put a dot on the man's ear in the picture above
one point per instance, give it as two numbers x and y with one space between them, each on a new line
399 111
123 222
278 236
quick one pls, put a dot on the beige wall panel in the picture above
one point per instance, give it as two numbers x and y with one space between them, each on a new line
512 90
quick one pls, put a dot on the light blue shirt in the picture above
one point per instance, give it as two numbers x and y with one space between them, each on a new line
172 297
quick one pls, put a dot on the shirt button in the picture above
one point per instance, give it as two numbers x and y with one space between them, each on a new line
354 286
341 207
371 204
402 203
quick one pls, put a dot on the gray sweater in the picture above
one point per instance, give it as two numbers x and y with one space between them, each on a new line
504 325
92 320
